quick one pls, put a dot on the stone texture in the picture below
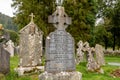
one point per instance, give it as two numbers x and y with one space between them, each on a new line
59 44
30 46
60 60
10 47
61 76
80 53
92 65
99 55
4 55
26 70
4 60
17 49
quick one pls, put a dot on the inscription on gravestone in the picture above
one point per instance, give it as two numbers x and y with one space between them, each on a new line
60 44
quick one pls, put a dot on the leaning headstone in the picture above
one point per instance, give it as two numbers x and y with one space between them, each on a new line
4 54
85 49
60 60
80 53
99 55
30 49
10 47
92 65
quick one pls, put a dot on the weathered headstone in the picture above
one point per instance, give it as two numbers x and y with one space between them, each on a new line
60 45
85 49
80 54
4 54
60 61
99 55
92 65
17 49
10 47
30 48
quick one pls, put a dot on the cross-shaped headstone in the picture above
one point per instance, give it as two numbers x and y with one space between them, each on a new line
32 16
60 19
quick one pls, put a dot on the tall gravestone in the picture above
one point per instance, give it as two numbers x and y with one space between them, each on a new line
30 48
4 54
60 61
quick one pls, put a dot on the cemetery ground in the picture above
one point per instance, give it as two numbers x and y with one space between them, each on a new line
81 67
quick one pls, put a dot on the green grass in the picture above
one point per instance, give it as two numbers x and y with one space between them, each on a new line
112 59
14 76
96 76
81 67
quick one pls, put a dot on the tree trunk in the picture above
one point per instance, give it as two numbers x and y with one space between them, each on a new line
106 42
114 40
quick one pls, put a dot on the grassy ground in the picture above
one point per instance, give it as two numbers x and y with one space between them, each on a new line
112 59
81 67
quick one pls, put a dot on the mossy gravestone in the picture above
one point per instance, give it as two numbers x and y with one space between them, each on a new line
60 60
30 49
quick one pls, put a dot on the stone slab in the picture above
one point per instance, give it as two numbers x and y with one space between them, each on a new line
61 76
60 52
26 70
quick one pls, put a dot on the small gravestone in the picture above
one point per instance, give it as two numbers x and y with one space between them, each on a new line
60 61
80 53
17 49
30 49
99 55
4 54
10 47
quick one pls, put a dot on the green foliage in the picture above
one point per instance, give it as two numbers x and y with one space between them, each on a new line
14 36
102 36
109 10
7 22
82 13
40 8
83 16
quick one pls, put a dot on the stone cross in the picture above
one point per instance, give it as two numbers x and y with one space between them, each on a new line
59 19
32 16
60 44
59 54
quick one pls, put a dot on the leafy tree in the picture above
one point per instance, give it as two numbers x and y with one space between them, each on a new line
102 36
14 36
83 16
110 10
82 12
7 22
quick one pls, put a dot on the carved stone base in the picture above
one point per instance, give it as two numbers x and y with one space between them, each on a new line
61 76
27 70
